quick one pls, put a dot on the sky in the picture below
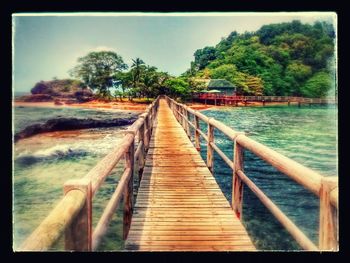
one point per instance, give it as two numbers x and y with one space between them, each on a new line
48 45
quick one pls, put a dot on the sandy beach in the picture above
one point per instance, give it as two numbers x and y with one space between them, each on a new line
129 106
95 104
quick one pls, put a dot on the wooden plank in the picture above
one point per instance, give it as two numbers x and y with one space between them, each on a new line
188 206
178 224
192 248
188 238
178 219
190 242
179 204
199 211
184 228
188 179
190 233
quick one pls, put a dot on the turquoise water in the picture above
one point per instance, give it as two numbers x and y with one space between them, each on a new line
308 135
43 163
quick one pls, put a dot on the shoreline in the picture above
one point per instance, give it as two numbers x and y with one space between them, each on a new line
94 104
118 106
133 106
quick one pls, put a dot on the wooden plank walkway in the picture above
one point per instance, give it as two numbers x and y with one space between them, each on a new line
179 205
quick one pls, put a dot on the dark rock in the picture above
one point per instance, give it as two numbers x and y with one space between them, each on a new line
84 95
58 102
70 101
37 98
65 89
62 124
41 88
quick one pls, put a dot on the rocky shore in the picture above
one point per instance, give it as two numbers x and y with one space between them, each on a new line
64 124
65 91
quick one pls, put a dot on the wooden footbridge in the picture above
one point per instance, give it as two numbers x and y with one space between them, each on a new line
178 205
234 100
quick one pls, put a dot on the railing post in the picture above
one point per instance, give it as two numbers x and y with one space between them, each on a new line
146 132
176 113
196 133
141 161
150 122
210 150
128 191
237 184
328 232
183 122
78 236
187 125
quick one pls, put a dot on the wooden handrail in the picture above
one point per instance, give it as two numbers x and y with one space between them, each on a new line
73 213
326 189
54 225
102 225
299 236
299 173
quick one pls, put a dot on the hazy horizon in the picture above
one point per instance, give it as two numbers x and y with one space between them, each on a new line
47 46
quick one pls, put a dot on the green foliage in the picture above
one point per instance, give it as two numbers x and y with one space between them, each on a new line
142 80
278 58
226 71
103 70
98 70
318 85
202 57
178 87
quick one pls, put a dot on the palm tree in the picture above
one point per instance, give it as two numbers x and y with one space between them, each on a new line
149 81
137 68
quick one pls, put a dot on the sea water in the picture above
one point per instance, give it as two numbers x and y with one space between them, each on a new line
44 162
308 135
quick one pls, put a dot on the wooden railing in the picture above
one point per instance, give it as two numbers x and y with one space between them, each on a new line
265 98
73 214
325 188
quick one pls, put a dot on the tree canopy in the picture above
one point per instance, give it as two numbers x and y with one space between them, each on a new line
98 70
284 59
278 59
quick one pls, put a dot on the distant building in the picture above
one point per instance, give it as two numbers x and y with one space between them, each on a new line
226 87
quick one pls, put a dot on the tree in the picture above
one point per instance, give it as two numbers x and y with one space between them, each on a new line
98 70
137 67
202 57
319 85
296 74
125 80
177 87
226 71
255 85
149 81
280 58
